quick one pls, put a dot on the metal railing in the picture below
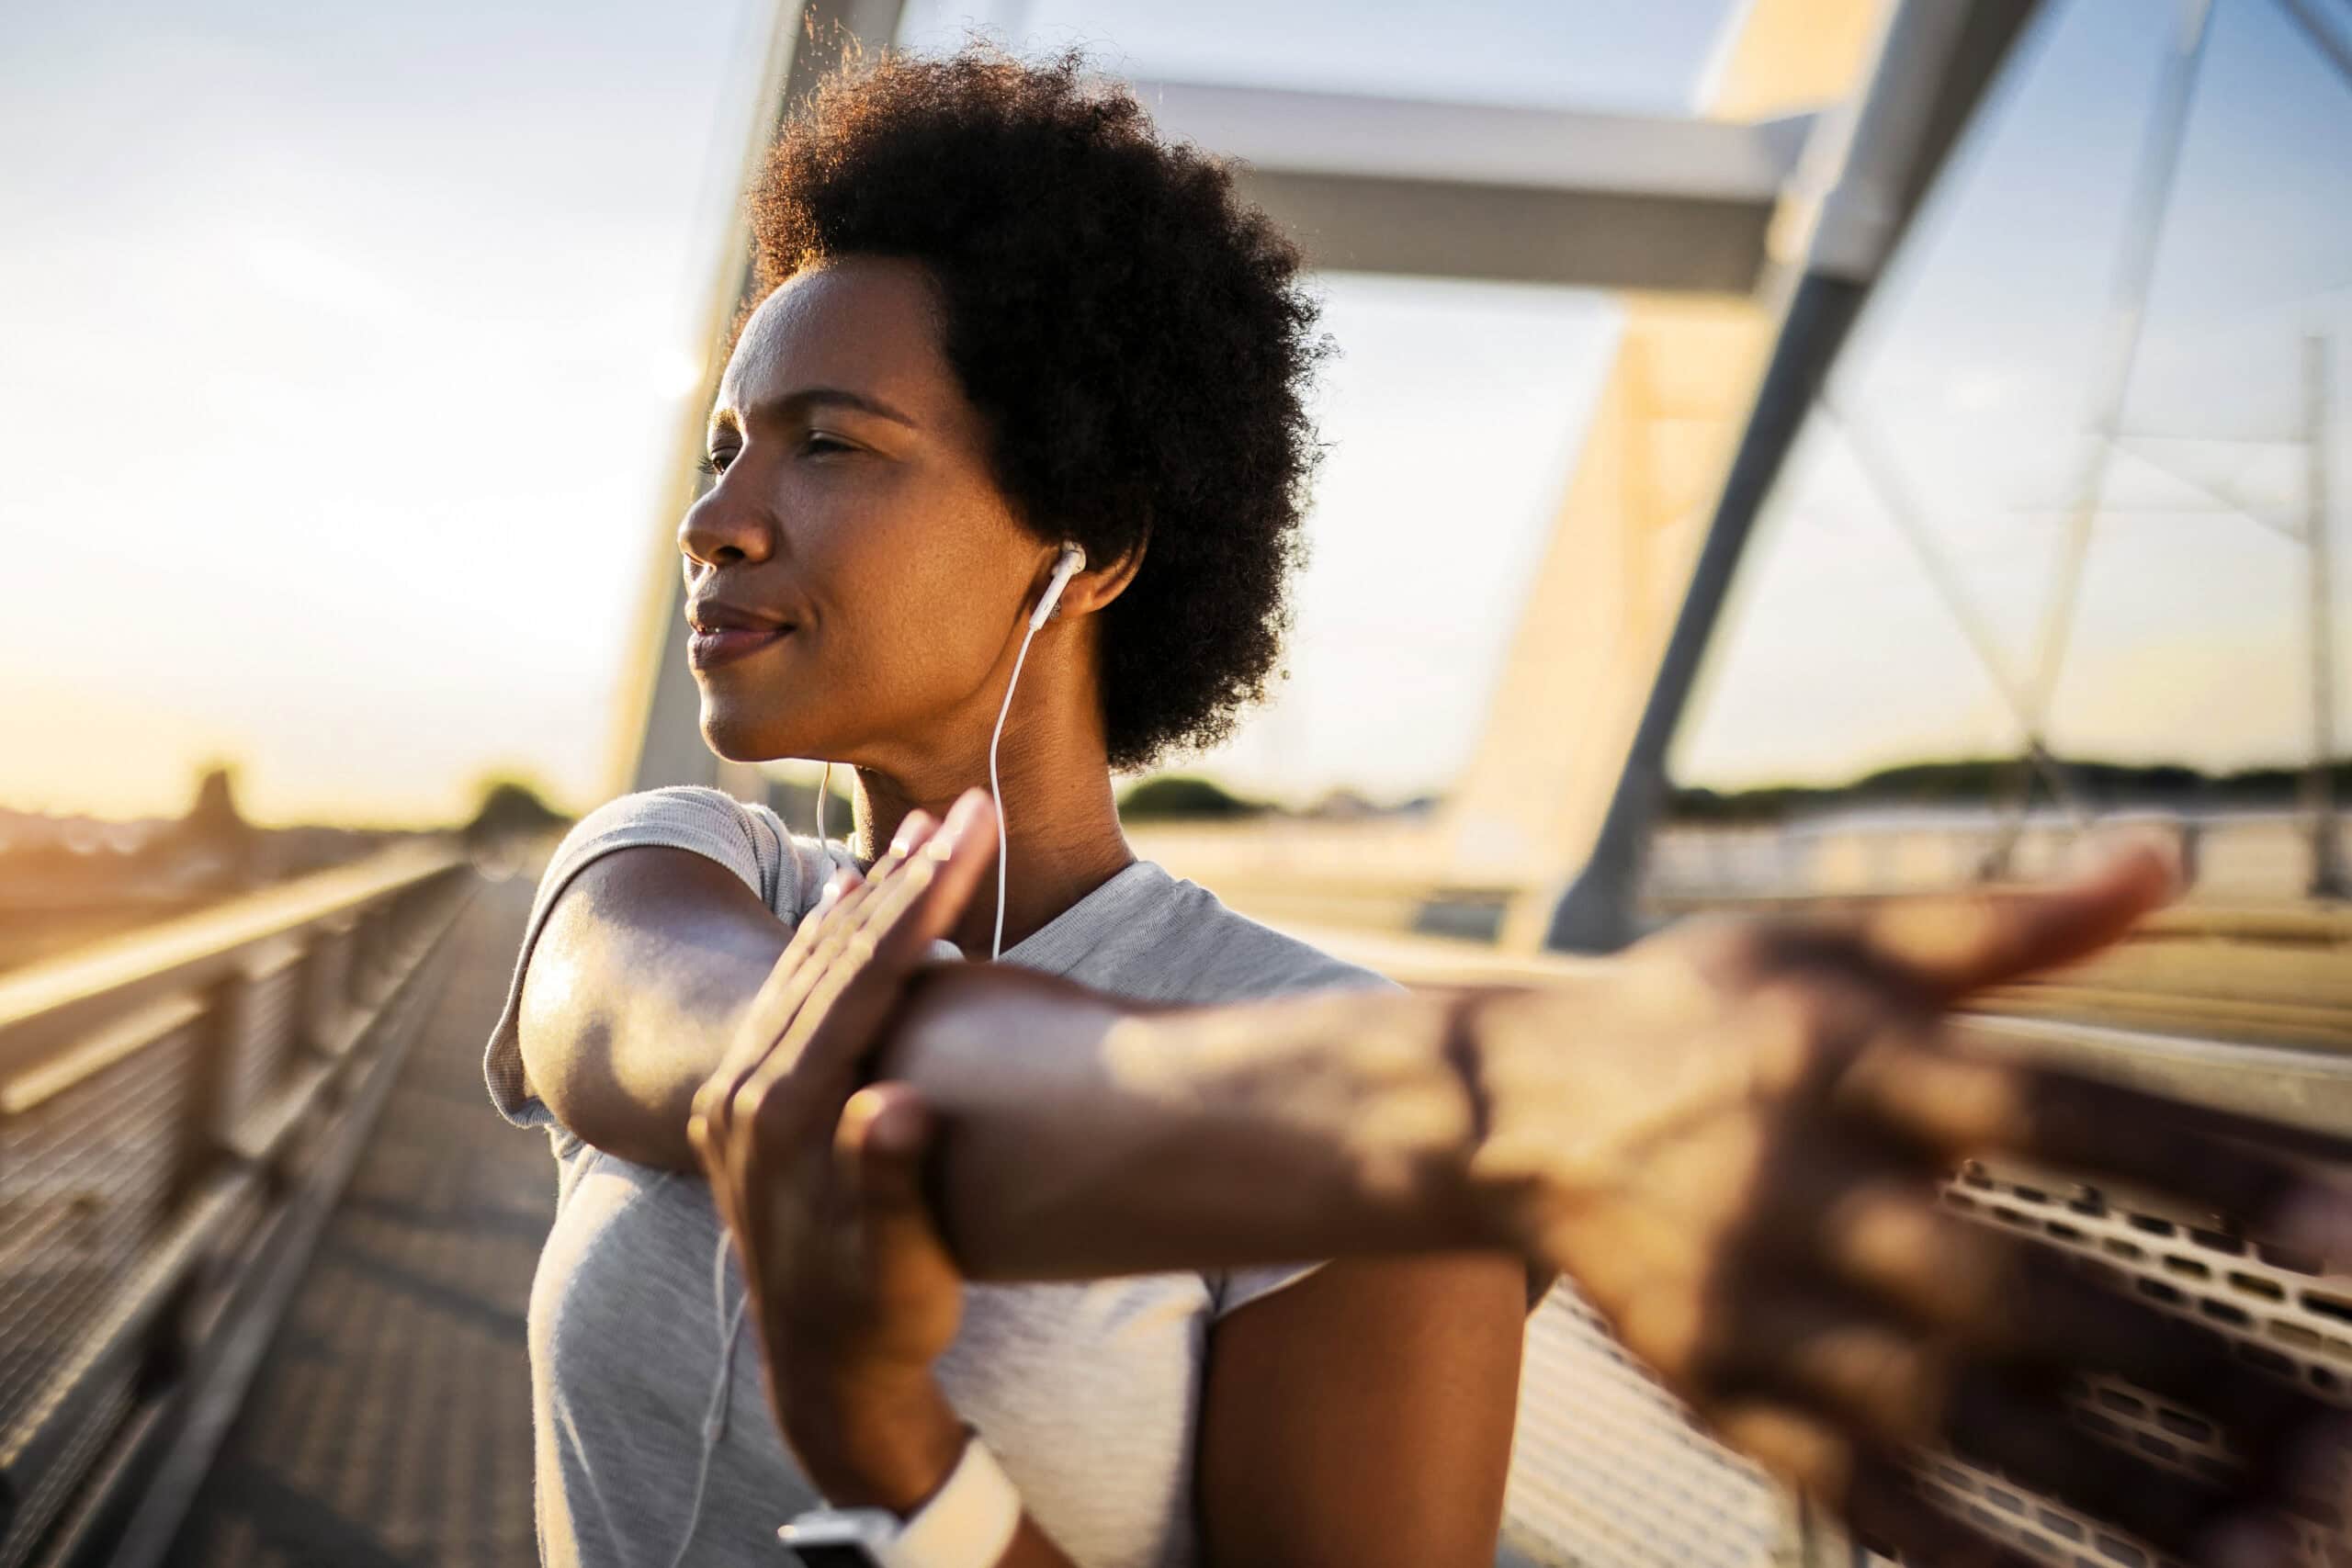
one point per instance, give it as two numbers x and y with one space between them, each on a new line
179 1108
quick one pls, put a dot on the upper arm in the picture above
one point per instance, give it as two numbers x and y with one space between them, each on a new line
1363 1416
629 999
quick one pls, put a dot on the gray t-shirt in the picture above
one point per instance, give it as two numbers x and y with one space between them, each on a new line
1088 1393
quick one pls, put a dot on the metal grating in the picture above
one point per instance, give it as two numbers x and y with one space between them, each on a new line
101 1404
2275 1312
1607 1469
85 1177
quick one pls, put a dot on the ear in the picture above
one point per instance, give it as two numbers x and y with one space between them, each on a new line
1095 587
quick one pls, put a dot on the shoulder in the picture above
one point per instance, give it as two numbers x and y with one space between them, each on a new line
749 840
1162 938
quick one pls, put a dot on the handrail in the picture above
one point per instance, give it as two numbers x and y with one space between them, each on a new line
188 942
178 1106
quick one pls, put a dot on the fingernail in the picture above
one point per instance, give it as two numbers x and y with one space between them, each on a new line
962 815
917 824
2249 1540
2316 1220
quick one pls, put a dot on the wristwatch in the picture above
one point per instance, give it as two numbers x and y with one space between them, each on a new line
968 1523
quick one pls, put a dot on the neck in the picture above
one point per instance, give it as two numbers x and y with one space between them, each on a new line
1062 837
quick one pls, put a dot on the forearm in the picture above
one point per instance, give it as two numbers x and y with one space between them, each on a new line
1084 1138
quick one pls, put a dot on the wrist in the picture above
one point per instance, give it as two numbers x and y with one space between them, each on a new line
872 1437
1525 1164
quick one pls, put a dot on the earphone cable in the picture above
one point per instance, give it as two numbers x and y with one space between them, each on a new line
996 790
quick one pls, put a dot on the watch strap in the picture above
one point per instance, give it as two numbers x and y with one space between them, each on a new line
968 1522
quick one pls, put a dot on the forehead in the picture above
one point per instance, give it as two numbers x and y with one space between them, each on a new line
865 325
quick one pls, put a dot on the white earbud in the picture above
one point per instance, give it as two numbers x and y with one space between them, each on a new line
1072 563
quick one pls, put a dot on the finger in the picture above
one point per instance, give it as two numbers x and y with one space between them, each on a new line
776 1031
2023 1432
964 848
914 831
916 892
880 1146
1952 1104
847 987
773 1006
837 884
830 993
2032 1309
1827 1351
802 1078
2050 1325
1949 947
892 931
1804 1448
1890 1239
2064 1321
1899 1390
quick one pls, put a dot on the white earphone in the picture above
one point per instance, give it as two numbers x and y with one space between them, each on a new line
1071 562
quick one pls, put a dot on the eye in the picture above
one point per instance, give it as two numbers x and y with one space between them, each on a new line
820 444
715 463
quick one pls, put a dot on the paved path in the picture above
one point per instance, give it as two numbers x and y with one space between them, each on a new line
391 1422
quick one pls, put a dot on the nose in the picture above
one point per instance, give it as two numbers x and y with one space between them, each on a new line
725 527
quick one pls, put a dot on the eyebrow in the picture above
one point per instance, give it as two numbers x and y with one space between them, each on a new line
783 408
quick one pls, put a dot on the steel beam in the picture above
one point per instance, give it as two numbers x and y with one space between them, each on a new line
1934 65
1487 191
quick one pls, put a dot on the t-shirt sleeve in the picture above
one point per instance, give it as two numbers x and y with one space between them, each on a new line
1233 1289
746 840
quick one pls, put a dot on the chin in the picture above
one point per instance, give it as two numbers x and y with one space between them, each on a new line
743 737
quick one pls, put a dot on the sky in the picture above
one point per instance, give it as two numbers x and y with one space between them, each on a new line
342 348
1974 370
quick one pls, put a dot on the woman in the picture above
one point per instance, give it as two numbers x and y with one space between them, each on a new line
1007 316
1006 321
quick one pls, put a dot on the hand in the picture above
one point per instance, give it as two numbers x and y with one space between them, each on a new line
1734 1142
820 1181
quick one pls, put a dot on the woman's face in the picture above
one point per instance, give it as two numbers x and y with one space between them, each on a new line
854 576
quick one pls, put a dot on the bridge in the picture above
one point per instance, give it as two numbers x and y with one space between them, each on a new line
265 1255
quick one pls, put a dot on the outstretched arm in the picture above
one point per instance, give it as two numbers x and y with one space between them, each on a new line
1732 1139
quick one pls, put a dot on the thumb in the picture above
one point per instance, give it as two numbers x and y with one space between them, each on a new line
884 1136
1953 946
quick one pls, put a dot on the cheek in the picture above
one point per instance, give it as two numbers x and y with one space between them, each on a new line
920 588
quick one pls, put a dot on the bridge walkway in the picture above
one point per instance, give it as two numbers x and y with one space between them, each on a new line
390 1421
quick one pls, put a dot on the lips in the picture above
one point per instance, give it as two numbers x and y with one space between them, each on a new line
724 633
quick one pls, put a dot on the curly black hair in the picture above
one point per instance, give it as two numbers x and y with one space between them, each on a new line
1135 337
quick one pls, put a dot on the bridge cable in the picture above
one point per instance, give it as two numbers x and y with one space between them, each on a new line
2321 36
1881 472
2127 314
